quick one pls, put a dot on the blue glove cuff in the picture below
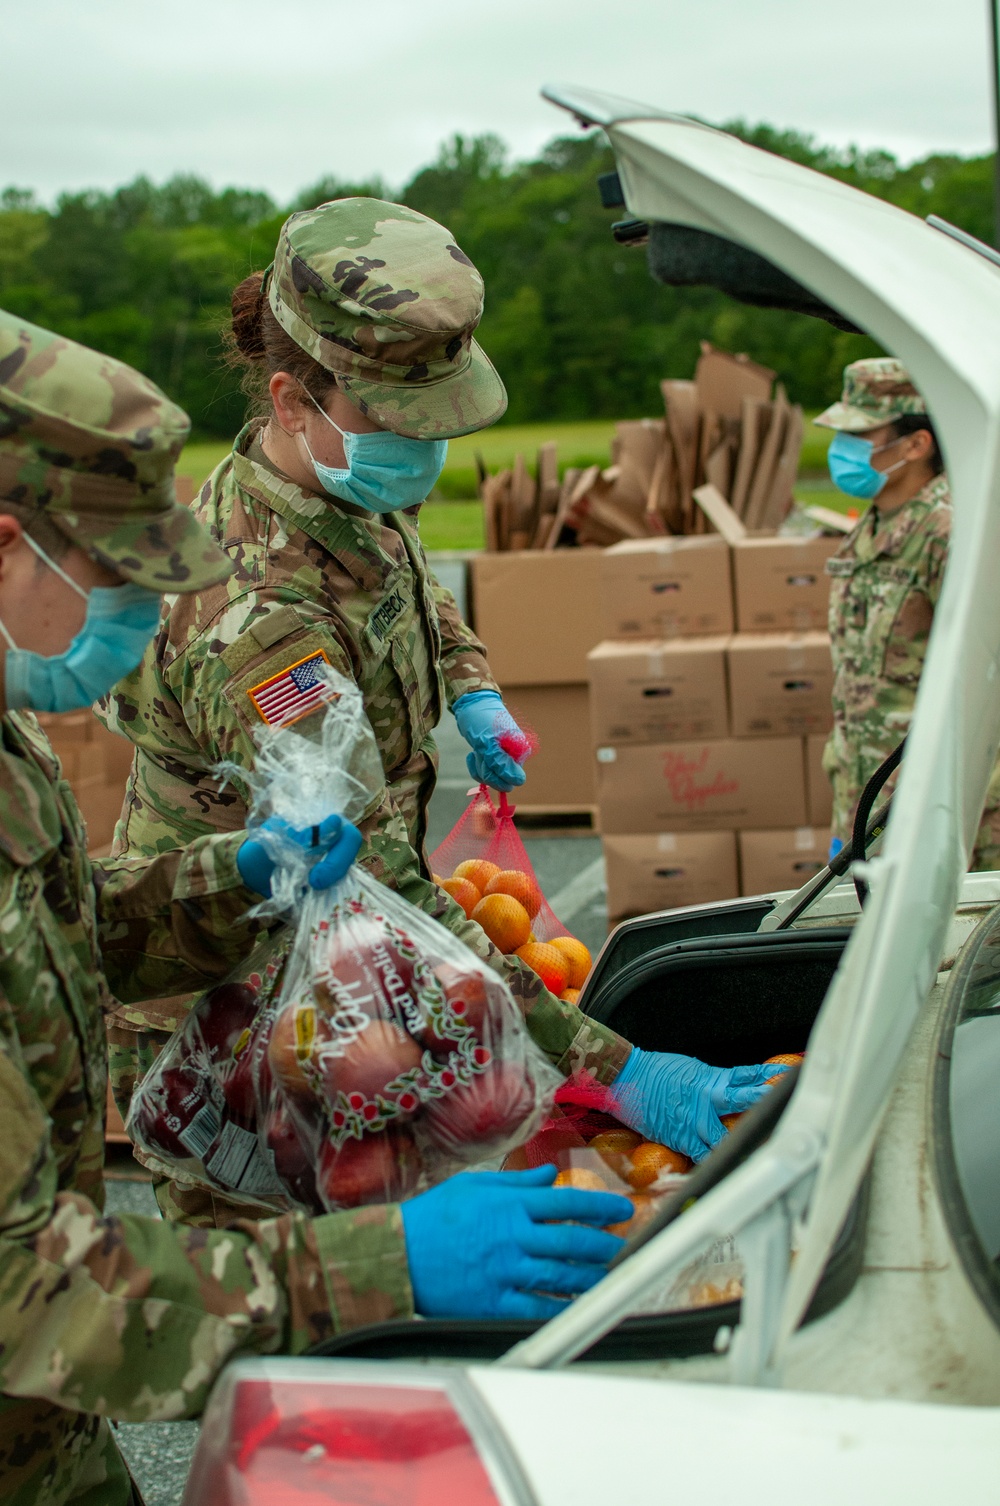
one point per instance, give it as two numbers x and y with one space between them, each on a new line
475 698
255 867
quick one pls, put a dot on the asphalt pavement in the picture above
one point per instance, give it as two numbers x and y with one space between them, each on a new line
570 871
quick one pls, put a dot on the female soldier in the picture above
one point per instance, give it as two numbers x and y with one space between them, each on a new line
361 331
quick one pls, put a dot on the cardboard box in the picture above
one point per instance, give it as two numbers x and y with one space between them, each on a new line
780 583
780 684
561 773
658 690
733 784
819 793
536 612
772 860
100 803
666 587
96 762
668 870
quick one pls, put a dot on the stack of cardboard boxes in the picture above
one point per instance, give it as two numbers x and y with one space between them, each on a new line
537 613
730 426
96 764
707 741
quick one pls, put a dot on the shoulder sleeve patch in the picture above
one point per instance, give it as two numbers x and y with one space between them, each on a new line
262 633
293 692
281 684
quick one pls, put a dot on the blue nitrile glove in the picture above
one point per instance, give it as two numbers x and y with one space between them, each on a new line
484 1244
482 716
334 838
678 1099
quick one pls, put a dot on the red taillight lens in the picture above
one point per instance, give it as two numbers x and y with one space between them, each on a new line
304 1442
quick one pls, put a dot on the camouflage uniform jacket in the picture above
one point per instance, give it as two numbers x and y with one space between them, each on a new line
130 1317
314 576
887 578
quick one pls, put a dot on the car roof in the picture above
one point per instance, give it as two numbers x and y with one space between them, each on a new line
935 304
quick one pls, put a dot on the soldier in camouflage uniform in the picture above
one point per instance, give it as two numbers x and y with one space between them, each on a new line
103 1316
887 578
364 320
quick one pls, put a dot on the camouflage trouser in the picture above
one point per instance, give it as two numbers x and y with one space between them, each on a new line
131 1053
51 1457
986 851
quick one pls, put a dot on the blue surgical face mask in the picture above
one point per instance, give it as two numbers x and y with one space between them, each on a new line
385 472
119 623
850 461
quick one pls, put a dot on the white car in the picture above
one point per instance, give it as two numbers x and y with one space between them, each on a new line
862 1208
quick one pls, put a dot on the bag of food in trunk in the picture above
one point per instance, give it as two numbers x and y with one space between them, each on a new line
377 1055
592 1149
483 864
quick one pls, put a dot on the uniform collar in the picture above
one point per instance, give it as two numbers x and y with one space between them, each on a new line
348 535
31 825
878 536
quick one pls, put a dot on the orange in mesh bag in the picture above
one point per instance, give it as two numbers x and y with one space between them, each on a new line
594 1150
484 866
382 1054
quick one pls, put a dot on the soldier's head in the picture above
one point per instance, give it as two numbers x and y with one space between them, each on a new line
365 317
91 532
882 414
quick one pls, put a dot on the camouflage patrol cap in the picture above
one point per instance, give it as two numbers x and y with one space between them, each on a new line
383 298
876 391
92 444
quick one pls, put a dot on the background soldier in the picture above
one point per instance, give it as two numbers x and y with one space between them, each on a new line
887 578
131 1317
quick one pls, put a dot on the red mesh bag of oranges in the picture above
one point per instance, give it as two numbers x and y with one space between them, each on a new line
380 1055
484 866
592 1149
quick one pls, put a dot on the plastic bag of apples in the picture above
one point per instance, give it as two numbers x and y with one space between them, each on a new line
484 866
371 1057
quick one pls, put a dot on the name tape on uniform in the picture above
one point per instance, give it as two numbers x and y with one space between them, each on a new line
386 612
293 692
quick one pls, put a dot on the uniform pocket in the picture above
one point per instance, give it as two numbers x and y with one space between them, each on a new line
397 672
19 892
907 636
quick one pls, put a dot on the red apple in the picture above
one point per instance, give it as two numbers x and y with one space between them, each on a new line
238 1090
297 1034
165 1110
476 1118
291 1159
224 1013
371 971
373 1059
380 1168
467 994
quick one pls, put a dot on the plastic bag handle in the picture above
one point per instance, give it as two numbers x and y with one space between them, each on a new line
504 809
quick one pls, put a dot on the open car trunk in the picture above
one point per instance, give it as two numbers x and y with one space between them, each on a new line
727 999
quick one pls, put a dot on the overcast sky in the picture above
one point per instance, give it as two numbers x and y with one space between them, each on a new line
275 95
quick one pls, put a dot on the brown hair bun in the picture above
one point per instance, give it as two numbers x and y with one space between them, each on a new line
247 306
257 346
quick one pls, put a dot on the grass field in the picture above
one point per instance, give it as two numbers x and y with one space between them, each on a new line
452 520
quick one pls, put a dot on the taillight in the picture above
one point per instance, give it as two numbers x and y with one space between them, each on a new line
294 1433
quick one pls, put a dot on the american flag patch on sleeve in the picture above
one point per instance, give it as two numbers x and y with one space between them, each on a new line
293 693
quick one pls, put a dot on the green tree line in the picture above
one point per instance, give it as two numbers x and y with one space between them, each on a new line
573 321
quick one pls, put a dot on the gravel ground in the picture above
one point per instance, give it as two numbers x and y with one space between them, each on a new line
159 1454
